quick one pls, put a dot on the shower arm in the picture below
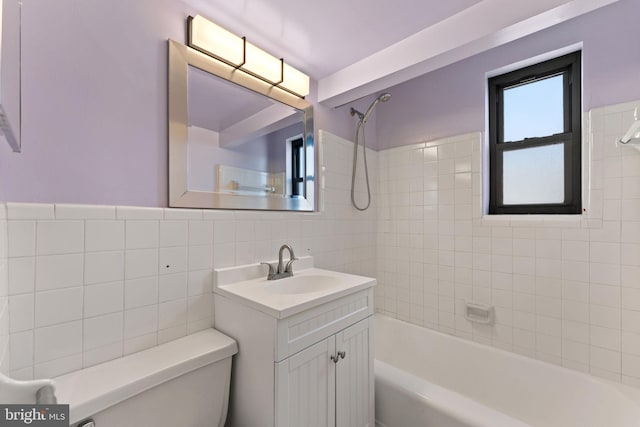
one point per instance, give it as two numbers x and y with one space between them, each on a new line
355 112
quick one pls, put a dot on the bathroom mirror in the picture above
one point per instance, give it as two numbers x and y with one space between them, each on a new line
236 142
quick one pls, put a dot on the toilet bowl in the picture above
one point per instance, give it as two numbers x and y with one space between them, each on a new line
181 383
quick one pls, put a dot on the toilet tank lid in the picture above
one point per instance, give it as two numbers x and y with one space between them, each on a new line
94 389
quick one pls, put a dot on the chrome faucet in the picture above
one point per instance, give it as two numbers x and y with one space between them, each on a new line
281 270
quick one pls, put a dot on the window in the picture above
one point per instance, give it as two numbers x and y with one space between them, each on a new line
295 166
535 138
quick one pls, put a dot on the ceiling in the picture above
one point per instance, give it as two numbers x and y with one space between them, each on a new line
354 48
321 37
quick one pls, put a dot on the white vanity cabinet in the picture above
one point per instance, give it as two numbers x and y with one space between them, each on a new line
313 368
329 383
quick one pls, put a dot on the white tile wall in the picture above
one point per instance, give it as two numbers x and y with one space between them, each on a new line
123 279
565 290
93 283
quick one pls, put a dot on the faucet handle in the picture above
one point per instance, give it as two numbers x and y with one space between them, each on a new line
272 267
289 267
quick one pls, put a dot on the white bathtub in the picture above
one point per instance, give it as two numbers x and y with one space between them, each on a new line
425 378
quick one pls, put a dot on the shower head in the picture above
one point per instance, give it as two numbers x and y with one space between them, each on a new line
384 97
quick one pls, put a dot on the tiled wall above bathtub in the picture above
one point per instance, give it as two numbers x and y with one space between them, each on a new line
566 290
92 283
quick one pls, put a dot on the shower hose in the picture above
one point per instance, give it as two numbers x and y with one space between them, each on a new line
366 170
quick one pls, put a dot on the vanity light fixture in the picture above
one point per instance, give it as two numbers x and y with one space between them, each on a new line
215 41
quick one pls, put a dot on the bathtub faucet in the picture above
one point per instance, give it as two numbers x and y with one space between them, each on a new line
281 270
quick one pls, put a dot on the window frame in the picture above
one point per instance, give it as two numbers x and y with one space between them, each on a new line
570 67
297 165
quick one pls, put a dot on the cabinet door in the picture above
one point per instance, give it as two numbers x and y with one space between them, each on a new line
305 387
354 376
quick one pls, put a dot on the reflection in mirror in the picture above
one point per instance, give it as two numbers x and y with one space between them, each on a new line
235 146
235 142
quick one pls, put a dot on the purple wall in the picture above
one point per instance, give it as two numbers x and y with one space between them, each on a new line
94 97
451 101
94 103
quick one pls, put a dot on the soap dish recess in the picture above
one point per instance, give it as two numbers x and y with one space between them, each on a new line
479 313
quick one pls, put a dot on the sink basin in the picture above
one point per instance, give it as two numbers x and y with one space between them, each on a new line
307 288
302 284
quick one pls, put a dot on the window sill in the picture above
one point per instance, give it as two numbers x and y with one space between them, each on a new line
573 220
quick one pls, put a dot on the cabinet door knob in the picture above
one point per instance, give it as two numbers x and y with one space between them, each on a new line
335 359
342 354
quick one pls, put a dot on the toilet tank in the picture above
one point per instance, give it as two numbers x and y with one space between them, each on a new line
181 383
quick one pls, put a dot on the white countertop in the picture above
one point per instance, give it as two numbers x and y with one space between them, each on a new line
259 293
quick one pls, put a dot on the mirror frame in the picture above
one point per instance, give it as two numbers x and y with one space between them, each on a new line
180 58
